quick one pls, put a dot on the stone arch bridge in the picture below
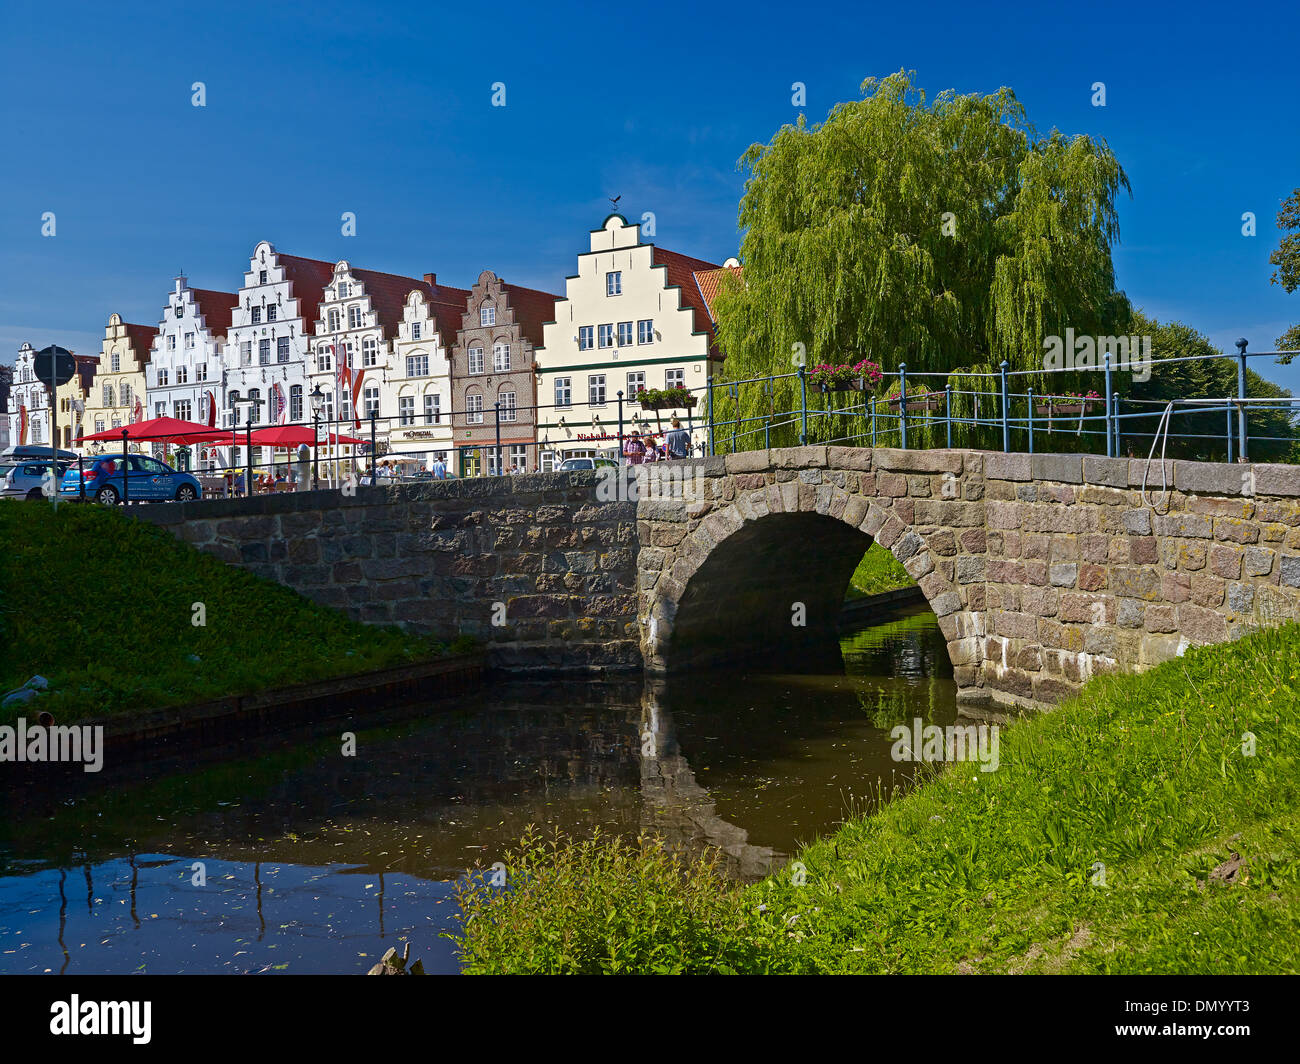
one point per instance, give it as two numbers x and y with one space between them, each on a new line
1042 569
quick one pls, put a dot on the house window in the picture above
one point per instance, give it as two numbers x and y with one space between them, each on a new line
264 352
415 330
324 360
282 349
674 378
635 383
257 315
354 317
519 457
344 289
171 341
493 465
501 358
261 277
563 391
548 461
232 401
295 402
432 409
474 409
406 409
246 353
200 371
255 404
487 314
162 380
645 331
586 338
335 320
99 423
108 395
180 310
614 283
476 360
371 396
159 409
182 408
369 352
126 394
182 374
507 399
115 363
607 336
596 389
417 365
624 334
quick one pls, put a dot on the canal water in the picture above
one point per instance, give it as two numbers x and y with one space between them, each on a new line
292 857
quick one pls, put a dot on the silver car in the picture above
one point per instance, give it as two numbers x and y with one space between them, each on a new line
25 478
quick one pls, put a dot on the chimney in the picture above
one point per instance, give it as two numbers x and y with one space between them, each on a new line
431 279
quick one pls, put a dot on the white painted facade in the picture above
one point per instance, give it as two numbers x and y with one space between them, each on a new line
418 387
348 331
622 326
30 392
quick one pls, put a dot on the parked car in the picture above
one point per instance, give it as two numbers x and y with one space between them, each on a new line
150 480
18 452
587 463
23 480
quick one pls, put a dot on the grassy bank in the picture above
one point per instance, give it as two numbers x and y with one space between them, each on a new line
104 607
879 571
1103 842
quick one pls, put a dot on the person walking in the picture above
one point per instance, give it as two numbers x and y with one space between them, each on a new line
678 441
439 468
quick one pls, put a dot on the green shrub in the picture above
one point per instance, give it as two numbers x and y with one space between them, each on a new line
606 906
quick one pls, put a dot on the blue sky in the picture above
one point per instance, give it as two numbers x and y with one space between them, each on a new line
316 109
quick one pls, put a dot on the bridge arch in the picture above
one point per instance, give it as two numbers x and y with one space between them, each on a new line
726 571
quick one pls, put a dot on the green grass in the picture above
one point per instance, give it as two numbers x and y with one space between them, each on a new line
879 571
1001 871
103 607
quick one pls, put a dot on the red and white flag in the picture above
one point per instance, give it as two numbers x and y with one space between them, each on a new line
22 423
212 411
356 397
137 415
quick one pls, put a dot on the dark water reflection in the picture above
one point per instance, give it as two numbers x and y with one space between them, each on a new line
316 862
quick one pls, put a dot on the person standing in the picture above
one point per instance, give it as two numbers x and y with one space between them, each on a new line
304 467
439 468
678 441
634 449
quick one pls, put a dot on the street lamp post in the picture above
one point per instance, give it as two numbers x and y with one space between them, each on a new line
317 402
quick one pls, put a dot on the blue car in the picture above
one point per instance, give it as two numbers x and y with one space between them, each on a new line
150 480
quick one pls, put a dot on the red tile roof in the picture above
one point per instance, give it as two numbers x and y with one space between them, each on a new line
86 368
141 337
708 281
388 292
217 309
310 278
681 271
533 308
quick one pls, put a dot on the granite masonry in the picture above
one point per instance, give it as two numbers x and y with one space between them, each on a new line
1043 570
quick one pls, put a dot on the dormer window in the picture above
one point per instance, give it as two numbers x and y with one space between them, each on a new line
261 277
614 283
180 310
487 314
343 290
415 330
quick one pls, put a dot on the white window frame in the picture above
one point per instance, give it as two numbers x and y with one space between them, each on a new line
501 358
563 392
614 283
596 389
645 329
476 359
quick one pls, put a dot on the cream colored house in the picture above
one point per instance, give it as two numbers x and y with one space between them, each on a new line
634 317
120 381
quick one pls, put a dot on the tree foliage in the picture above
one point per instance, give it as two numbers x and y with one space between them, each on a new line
1286 257
944 233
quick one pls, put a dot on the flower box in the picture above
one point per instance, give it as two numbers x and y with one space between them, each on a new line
857 384
1069 407
667 399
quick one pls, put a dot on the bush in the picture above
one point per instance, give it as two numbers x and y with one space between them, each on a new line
606 906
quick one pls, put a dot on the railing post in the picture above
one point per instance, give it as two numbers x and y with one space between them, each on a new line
619 393
902 405
803 406
372 440
126 469
248 436
1006 424
1243 448
1110 439
81 472
1227 409
947 411
1119 449
709 383
1030 418
873 422
501 461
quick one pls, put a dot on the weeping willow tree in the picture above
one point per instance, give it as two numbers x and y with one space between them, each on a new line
944 234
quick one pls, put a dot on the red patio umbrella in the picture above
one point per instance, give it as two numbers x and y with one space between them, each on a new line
168 429
293 435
